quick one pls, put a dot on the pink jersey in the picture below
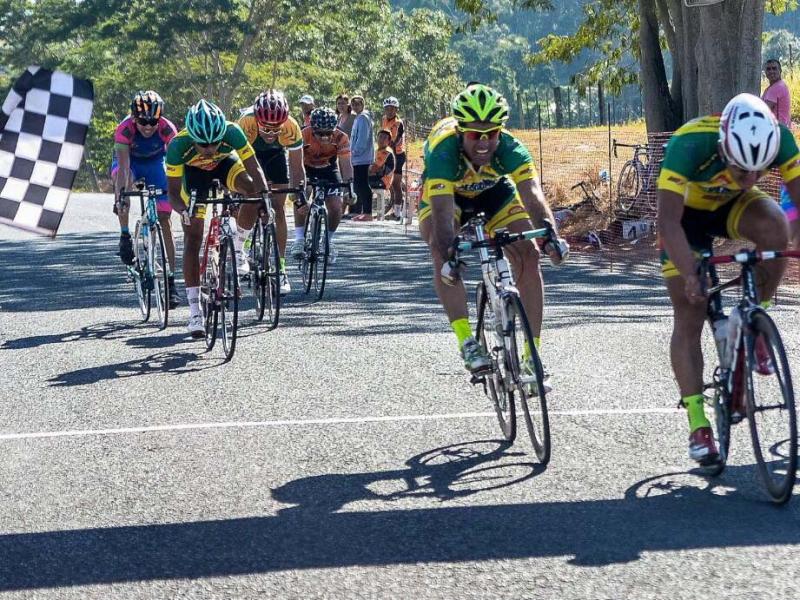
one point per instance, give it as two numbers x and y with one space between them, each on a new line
139 146
778 93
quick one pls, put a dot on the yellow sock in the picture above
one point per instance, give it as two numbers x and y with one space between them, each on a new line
695 408
462 330
765 304
526 349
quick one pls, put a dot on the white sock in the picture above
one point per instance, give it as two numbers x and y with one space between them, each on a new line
241 237
299 233
193 297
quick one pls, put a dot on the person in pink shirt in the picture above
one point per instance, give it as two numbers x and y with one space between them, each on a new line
777 93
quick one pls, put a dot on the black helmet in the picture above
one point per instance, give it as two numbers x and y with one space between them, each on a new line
323 119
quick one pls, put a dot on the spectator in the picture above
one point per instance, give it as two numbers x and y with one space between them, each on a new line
345 115
381 172
306 106
777 94
362 148
392 123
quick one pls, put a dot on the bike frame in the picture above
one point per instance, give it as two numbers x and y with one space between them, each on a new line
149 221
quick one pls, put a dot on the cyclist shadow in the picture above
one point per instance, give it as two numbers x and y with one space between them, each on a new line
111 330
152 342
174 363
443 474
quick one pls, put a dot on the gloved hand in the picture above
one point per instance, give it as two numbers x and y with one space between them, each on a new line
450 272
185 218
557 249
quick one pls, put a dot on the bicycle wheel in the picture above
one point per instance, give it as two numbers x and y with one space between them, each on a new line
159 275
770 409
258 273
229 298
522 348
322 243
628 186
140 269
272 275
486 334
209 285
309 252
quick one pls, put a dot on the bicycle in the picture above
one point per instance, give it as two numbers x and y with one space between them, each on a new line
636 183
316 251
741 378
150 269
503 330
219 280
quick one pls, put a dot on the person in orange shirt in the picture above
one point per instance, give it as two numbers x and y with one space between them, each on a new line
326 150
381 172
392 123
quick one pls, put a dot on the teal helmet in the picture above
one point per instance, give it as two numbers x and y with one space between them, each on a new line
206 122
480 103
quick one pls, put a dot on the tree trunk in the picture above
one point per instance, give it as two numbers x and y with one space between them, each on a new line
601 101
660 110
559 107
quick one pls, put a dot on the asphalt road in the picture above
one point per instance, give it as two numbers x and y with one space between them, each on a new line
345 455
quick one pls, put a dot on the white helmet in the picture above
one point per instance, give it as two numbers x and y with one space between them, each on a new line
391 101
749 135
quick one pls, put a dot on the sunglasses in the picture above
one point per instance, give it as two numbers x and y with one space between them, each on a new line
269 129
208 144
147 122
326 133
481 134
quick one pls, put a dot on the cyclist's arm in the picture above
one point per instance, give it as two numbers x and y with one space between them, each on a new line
174 185
254 170
297 168
670 211
442 219
530 191
123 168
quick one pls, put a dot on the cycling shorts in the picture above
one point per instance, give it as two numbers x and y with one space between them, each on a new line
702 226
200 180
274 165
153 172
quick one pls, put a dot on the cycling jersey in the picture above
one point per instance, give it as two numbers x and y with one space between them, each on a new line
320 154
127 136
289 135
383 167
448 171
183 153
694 169
395 127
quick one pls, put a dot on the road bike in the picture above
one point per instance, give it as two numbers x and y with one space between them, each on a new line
503 330
150 269
316 250
752 378
220 290
637 179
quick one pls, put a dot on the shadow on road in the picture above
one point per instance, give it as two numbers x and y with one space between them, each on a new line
673 512
110 330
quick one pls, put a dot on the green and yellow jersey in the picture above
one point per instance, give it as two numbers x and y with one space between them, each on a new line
182 152
694 168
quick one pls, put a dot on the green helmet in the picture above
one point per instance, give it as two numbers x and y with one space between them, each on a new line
206 122
480 103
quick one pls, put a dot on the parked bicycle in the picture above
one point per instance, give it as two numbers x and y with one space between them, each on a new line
316 252
637 179
752 378
219 281
150 269
503 330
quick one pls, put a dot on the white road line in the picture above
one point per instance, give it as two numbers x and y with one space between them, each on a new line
301 422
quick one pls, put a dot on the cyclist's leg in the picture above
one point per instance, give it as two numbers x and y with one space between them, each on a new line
200 181
276 171
237 179
756 217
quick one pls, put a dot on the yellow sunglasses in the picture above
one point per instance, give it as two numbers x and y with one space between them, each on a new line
480 134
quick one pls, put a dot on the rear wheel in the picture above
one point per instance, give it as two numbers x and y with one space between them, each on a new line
141 282
258 274
496 389
229 298
770 408
529 383
628 186
309 252
160 275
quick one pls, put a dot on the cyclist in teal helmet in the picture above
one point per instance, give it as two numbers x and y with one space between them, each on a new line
209 148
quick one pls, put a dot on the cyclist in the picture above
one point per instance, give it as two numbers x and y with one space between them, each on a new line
394 125
707 189
474 165
272 132
209 148
140 144
326 153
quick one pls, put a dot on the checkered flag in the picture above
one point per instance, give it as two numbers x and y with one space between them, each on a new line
43 125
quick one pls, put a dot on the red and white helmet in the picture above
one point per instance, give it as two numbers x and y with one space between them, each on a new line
271 108
749 134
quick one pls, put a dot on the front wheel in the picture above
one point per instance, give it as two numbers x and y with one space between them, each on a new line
228 297
159 272
142 284
496 388
209 286
322 243
528 374
271 275
628 186
770 407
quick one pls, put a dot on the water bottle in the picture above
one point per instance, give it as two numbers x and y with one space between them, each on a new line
734 324
720 327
